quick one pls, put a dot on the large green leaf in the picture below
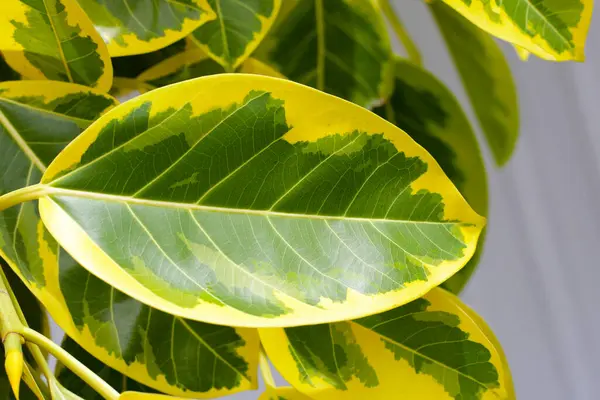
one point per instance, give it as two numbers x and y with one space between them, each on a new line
551 29
487 79
54 39
425 109
339 46
120 331
140 26
237 31
253 201
432 348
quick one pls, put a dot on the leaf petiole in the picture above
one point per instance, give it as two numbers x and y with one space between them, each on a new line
22 195
401 33
89 377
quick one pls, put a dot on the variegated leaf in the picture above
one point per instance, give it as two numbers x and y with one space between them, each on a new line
550 29
141 26
37 120
425 109
237 31
253 201
487 79
54 39
338 46
432 348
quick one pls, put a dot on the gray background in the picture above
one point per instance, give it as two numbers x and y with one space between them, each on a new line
538 278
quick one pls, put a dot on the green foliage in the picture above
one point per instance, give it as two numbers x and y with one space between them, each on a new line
179 237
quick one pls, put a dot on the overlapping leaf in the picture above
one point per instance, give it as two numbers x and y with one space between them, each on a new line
194 64
432 348
487 79
339 46
38 120
425 109
142 26
239 28
553 30
54 39
253 201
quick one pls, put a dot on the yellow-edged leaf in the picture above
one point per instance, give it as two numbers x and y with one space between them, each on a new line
425 109
37 120
486 77
237 31
54 39
432 348
141 26
553 30
252 201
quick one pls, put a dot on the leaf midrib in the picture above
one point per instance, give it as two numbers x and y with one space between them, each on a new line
20 141
49 190
45 111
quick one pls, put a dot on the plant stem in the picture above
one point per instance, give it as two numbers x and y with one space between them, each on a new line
10 325
35 351
89 377
401 33
265 370
21 195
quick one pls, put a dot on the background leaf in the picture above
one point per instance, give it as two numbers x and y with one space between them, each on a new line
143 26
237 31
54 39
487 79
316 246
125 334
553 30
339 46
434 347
425 109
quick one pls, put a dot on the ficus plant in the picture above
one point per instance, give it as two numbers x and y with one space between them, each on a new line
195 190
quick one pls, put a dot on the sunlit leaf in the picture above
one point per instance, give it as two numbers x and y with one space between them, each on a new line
141 26
122 332
54 39
550 29
253 201
237 31
432 348
425 109
487 79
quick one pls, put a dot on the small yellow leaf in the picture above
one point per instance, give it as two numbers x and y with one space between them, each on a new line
14 363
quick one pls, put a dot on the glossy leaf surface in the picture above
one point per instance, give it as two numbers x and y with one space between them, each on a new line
425 109
238 29
120 331
338 46
550 29
141 26
487 79
432 348
269 204
55 40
